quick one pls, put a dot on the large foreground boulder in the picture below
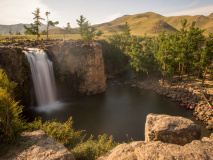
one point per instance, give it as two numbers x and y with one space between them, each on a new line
42 147
171 129
141 150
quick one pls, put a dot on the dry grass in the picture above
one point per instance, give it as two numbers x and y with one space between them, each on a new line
148 23
32 37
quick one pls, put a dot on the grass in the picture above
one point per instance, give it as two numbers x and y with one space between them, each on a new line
148 23
33 37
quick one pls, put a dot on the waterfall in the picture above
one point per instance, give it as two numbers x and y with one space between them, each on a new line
43 76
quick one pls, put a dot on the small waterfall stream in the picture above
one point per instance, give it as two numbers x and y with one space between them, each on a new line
43 77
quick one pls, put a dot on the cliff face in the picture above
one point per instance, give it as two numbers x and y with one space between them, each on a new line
79 68
17 68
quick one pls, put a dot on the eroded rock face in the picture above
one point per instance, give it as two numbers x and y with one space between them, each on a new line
141 150
17 68
43 148
79 66
171 129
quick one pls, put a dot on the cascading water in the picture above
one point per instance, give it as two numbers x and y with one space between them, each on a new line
43 77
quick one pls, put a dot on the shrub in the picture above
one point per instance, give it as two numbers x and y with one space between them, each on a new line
62 132
92 149
11 123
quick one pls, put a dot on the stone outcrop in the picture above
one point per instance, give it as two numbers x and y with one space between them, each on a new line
43 147
145 150
17 68
171 129
141 150
80 67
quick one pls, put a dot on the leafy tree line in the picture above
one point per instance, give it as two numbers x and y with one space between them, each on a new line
171 54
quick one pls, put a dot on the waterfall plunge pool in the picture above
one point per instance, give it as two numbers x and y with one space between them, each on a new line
120 111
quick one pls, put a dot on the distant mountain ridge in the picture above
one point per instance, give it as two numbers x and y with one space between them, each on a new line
149 22
153 23
4 29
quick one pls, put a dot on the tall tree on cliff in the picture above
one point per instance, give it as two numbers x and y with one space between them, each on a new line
67 30
50 23
87 32
34 27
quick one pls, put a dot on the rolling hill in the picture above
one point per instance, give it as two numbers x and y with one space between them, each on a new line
152 23
4 29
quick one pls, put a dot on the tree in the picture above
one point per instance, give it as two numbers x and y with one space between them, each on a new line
67 30
44 32
10 31
87 32
207 57
11 123
127 30
99 33
50 23
80 22
34 27
18 33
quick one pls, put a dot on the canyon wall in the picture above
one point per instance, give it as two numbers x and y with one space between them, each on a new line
79 68
17 68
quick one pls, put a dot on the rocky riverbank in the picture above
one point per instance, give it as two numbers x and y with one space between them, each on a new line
189 95
166 137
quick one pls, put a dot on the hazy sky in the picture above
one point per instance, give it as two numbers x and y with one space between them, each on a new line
97 11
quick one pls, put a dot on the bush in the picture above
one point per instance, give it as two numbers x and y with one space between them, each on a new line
11 123
62 132
92 149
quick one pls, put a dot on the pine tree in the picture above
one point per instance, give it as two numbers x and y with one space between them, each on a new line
18 33
99 33
87 32
207 57
80 22
34 27
127 30
10 31
50 23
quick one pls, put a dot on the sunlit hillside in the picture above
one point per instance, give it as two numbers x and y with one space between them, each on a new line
152 23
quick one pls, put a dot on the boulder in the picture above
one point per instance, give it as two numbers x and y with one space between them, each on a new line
171 129
42 147
141 150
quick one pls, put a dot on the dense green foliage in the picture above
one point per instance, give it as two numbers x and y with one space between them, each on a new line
92 149
171 54
62 132
74 140
10 120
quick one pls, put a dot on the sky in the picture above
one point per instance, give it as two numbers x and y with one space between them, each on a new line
96 11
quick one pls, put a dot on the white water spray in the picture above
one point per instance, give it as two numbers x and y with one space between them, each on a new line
43 76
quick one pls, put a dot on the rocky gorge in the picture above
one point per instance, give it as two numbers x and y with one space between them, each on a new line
78 68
